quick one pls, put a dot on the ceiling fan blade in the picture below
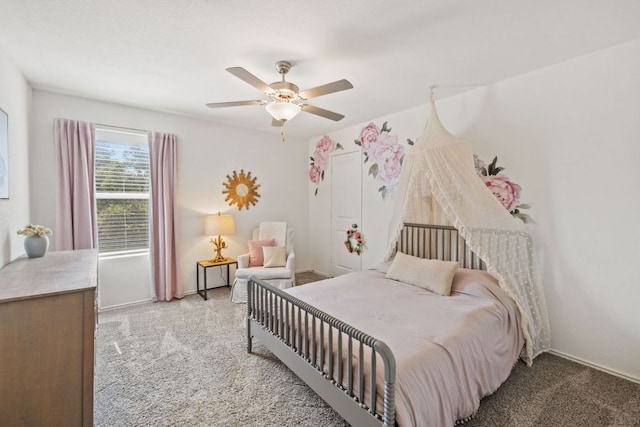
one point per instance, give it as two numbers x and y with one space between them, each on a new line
322 112
234 103
336 86
278 123
246 76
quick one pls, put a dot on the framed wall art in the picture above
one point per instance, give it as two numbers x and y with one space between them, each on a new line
4 155
241 190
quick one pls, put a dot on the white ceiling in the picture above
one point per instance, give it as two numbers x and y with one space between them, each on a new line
171 55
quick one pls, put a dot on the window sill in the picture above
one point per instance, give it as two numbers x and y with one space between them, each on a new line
123 254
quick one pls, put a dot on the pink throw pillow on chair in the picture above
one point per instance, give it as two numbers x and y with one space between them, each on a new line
256 256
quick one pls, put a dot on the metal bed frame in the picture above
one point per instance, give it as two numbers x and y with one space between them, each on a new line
291 329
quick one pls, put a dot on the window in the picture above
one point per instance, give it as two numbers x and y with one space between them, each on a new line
122 191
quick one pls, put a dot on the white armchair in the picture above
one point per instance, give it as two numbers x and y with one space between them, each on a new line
282 276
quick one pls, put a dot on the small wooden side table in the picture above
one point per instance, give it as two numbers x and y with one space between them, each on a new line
206 264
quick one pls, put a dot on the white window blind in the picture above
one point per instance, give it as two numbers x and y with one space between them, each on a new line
122 191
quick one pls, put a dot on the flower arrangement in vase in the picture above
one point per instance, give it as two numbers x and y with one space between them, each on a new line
36 241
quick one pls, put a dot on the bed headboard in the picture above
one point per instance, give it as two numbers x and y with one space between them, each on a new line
437 242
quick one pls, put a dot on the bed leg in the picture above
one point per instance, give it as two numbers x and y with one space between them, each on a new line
248 315
248 328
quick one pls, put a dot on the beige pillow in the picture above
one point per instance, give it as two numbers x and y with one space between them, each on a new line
274 256
433 275
256 257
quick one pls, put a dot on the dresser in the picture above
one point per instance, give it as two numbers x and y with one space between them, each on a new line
47 329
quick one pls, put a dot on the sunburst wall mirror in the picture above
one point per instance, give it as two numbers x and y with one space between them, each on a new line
241 190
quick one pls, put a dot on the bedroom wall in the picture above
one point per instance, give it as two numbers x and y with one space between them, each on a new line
570 135
207 152
15 100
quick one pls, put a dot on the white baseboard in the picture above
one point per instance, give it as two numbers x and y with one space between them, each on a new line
126 304
595 366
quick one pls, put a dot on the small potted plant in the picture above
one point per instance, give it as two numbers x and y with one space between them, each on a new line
36 241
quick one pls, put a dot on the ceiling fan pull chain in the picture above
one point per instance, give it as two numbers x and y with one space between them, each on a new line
282 132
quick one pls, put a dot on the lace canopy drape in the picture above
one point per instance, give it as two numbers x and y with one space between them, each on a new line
439 185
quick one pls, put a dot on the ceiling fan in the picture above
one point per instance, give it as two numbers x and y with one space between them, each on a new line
286 99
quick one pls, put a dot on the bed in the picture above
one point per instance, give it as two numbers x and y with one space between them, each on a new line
383 352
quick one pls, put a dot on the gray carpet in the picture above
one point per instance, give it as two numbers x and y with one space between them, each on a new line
185 363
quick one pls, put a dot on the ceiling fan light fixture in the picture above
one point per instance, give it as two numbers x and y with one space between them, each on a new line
283 110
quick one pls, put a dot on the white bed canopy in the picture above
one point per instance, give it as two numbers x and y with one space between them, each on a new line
439 185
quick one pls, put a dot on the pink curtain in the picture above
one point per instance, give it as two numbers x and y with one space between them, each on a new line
163 229
76 225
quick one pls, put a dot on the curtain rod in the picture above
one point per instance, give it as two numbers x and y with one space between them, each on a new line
122 128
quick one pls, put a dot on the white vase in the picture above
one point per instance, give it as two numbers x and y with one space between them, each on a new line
36 246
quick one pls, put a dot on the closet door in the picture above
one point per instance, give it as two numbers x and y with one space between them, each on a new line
346 209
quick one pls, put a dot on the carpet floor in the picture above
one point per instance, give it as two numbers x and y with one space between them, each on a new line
185 363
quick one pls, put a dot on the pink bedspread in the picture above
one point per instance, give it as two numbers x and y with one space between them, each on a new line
450 351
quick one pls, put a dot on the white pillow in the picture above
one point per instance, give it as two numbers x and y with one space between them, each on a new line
433 275
274 256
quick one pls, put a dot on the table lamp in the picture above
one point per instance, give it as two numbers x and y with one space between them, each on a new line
219 225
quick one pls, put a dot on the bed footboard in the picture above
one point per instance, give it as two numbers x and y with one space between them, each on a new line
335 359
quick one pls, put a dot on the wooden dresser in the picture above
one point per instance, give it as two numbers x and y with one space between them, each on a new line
47 326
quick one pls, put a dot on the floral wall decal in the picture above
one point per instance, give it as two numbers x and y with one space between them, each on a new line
386 155
506 191
320 159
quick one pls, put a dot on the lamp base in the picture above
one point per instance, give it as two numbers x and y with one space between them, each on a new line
218 258
218 245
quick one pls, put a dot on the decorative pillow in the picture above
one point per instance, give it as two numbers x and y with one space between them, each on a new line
430 274
275 256
256 257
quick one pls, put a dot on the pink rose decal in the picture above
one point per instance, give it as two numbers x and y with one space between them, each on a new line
377 150
507 192
315 173
385 154
368 136
320 159
389 164
325 146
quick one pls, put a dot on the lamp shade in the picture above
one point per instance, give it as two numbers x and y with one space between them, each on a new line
219 225
283 110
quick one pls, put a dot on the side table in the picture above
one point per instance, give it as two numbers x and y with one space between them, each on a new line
206 264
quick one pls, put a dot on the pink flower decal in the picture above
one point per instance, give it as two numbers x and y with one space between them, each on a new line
320 159
385 154
369 136
315 174
389 164
507 192
325 146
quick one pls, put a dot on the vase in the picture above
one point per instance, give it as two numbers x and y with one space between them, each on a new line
36 246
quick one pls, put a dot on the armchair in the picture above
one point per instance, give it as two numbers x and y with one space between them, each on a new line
281 276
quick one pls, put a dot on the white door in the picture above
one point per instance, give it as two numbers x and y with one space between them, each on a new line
346 209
